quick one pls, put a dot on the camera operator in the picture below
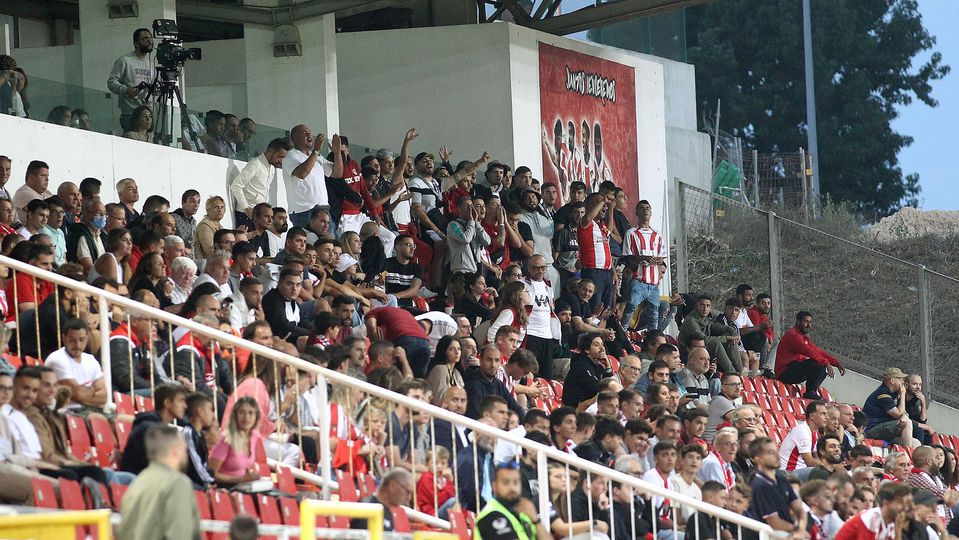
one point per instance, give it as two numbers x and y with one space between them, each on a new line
129 72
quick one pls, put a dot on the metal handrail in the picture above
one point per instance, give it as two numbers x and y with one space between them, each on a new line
544 453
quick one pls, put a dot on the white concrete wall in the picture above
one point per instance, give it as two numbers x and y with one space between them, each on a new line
73 154
450 83
60 64
218 79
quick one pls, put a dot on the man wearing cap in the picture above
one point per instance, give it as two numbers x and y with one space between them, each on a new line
886 410
426 196
798 359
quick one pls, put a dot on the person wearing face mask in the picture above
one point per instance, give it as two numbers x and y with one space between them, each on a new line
85 239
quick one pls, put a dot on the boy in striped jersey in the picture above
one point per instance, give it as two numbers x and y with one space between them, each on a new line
647 245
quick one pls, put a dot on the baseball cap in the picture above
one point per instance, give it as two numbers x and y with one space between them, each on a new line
523 193
894 373
422 155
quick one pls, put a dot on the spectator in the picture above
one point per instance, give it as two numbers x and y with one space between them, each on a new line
131 74
717 466
184 217
35 187
586 370
629 369
824 522
896 467
85 239
160 503
182 272
244 527
593 236
140 124
151 276
404 278
305 171
217 271
113 264
78 370
396 489
606 441
130 349
747 418
722 341
208 226
883 521
197 358
925 475
214 123
662 473
798 359
917 411
702 525
796 451
232 459
482 382
658 371
886 410
647 245
170 403
541 230
252 185
699 387
723 403
5 164
465 237
54 229
7 220
38 212
245 131
773 499
445 369
685 480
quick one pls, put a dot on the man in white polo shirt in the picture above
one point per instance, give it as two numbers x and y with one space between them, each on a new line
798 448
78 370
305 171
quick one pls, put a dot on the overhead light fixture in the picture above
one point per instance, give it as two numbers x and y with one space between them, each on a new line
123 9
286 41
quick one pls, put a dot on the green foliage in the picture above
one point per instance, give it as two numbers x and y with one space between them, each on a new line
749 54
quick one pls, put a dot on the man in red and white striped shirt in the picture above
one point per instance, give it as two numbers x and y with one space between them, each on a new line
648 246
595 261
798 447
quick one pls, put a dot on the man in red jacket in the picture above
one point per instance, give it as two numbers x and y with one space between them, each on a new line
798 359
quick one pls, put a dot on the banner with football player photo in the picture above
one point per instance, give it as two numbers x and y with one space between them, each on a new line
588 115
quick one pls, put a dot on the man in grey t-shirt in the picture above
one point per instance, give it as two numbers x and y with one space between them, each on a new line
129 71
725 403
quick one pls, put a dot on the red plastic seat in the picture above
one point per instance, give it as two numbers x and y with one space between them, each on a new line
124 427
339 522
79 438
125 403
117 492
768 418
826 396
401 522
790 419
223 510
103 440
245 504
347 487
144 404
13 360
285 481
269 511
290 511
44 496
71 496
202 504
748 385
458 524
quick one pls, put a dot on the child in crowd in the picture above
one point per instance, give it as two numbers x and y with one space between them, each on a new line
434 491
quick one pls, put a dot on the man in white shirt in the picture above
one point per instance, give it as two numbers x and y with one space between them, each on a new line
798 447
718 465
38 212
540 334
437 324
78 370
663 471
252 185
535 420
217 271
246 306
34 187
690 461
305 171
753 336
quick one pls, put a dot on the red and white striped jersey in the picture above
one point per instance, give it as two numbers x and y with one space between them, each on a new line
647 243
800 440
594 246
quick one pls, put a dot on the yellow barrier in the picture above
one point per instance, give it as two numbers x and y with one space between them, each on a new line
309 509
54 525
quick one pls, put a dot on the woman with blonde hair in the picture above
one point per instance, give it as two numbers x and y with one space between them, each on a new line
215 210
232 460
511 310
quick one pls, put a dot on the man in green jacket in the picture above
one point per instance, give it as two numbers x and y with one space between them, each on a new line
721 340
507 515
159 504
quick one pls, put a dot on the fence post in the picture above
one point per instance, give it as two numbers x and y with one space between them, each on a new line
925 335
326 458
775 276
682 276
105 365
756 179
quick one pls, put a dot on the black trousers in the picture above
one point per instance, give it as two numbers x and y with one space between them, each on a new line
808 371
542 348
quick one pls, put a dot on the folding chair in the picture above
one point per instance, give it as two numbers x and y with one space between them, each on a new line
118 491
79 438
103 440
285 481
458 524
401 522
290 511
124 427
223 510
44 496
125 403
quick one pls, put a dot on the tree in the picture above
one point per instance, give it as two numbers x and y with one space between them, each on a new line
749 54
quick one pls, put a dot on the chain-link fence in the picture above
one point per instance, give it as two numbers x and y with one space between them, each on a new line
776 181
870 309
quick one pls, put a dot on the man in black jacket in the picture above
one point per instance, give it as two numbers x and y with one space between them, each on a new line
481 381
280 308
607 438
630 519
587 369
170 407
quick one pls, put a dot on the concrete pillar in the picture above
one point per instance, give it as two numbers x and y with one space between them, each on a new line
103 39
283 92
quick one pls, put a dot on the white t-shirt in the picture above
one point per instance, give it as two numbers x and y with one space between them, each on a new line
507 451
25 433
425 193
303 194
743 320
443 325
541 295
84 373
798 441
678 484
653 477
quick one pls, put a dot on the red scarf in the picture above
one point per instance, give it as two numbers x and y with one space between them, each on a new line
728 480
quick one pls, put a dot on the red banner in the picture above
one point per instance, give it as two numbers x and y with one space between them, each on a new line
588 115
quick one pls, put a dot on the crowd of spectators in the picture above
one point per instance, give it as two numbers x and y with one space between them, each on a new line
470 285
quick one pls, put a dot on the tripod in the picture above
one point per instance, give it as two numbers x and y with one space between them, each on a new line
164 87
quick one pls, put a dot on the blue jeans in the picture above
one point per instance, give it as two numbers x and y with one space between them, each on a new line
119 477
300 219
417 352
604 286
648 296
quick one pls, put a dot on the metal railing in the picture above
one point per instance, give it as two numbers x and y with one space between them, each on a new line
870 309
544 454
